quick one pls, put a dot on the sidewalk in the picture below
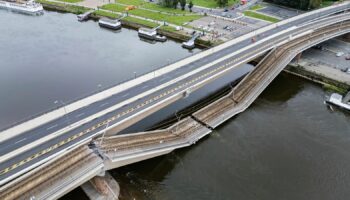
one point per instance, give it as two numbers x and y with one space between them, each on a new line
325 71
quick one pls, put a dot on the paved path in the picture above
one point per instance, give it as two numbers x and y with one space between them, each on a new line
94 4
325 71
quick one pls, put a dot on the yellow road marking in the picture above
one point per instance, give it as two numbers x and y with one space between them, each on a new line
49 149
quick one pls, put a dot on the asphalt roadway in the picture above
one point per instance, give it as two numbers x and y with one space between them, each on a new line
18 164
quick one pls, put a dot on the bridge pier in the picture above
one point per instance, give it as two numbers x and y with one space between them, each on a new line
102 188
298 57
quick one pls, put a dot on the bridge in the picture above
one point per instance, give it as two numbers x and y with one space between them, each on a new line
44 140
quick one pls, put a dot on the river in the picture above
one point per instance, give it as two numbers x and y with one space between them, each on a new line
287 145
54 57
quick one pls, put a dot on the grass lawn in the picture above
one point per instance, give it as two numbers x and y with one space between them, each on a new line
260 16
326 3
178 20
68 8
211 3
256 7
71 1
152 6
149 24
140 21
106 14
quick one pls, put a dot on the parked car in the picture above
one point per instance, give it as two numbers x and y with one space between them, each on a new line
346 70
339 54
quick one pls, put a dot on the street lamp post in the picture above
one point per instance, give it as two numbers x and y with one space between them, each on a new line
178 120
103 135
64 108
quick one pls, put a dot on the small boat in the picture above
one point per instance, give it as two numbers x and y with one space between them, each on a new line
147 33
110 23
160 38
30 7
189 44
338 100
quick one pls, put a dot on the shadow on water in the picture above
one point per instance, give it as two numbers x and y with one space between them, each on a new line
283 88
189 103
141 184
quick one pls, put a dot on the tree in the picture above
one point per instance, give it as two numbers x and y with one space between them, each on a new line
222 3
175 2
190 6
182 4
315 3
166 3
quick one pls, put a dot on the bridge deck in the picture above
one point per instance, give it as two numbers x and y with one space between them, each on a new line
119 149
255 82
45 182
37 146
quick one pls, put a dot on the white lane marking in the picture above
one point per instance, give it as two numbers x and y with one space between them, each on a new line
20 140
79 115
125 95
103 104
51 127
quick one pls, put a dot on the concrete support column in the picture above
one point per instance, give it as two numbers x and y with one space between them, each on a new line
298 57
102 188
100 185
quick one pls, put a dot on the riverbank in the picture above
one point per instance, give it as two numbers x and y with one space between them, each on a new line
327 81
131 21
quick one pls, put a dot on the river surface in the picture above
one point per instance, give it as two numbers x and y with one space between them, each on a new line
54 57
287 145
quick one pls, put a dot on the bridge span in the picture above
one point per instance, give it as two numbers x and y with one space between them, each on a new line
284 40
115 151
